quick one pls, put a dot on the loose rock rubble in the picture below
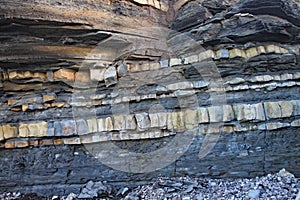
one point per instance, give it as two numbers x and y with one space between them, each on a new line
273 186
282 185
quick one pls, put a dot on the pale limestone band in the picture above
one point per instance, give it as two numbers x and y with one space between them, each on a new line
102 72
260 116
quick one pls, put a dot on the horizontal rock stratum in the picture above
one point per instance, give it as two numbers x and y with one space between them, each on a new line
220 78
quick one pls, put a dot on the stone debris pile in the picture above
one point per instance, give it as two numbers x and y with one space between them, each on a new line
282 185
273 186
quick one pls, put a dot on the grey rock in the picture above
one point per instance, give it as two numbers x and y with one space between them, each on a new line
123 191
254 194
110 76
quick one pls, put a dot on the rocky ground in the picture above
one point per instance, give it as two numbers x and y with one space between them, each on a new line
282 185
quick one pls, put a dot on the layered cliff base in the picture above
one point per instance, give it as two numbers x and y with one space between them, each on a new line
215 83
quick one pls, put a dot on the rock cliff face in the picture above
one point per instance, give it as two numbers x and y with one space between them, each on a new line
90 89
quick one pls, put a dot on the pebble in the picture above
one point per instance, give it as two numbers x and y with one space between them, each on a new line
254 194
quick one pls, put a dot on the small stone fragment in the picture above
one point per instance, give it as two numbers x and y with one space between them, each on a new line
67 74
110 76
254 194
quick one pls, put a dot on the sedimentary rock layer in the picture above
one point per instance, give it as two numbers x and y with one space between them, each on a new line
139 74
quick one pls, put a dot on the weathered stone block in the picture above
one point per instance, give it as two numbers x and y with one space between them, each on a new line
82 127
244 112
262 78
50 75
105 124
191 119
144 67
296 105
67 74
46 142
209 54
122 69
175 61
65 128
215 113
97 74
58 141
237 53
38 129
143 121
285 77
222 53
286 108
200 84
169 121
180 86
228 129
261 50
73 140
21 144
51 129
92 125
272 49
33 142
11 102
164 63
9 144
134 67
144 135
235 81
82 76
124 135
12 75
58 104
272 109
130 122
110 76
296 75
279 109
228 114
119 122
115 136
158 120
49 97
251 52
9 131
203 116
154 66
23 130
212 129
276 125
178 119
40 76
181 93
191 59
259 112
